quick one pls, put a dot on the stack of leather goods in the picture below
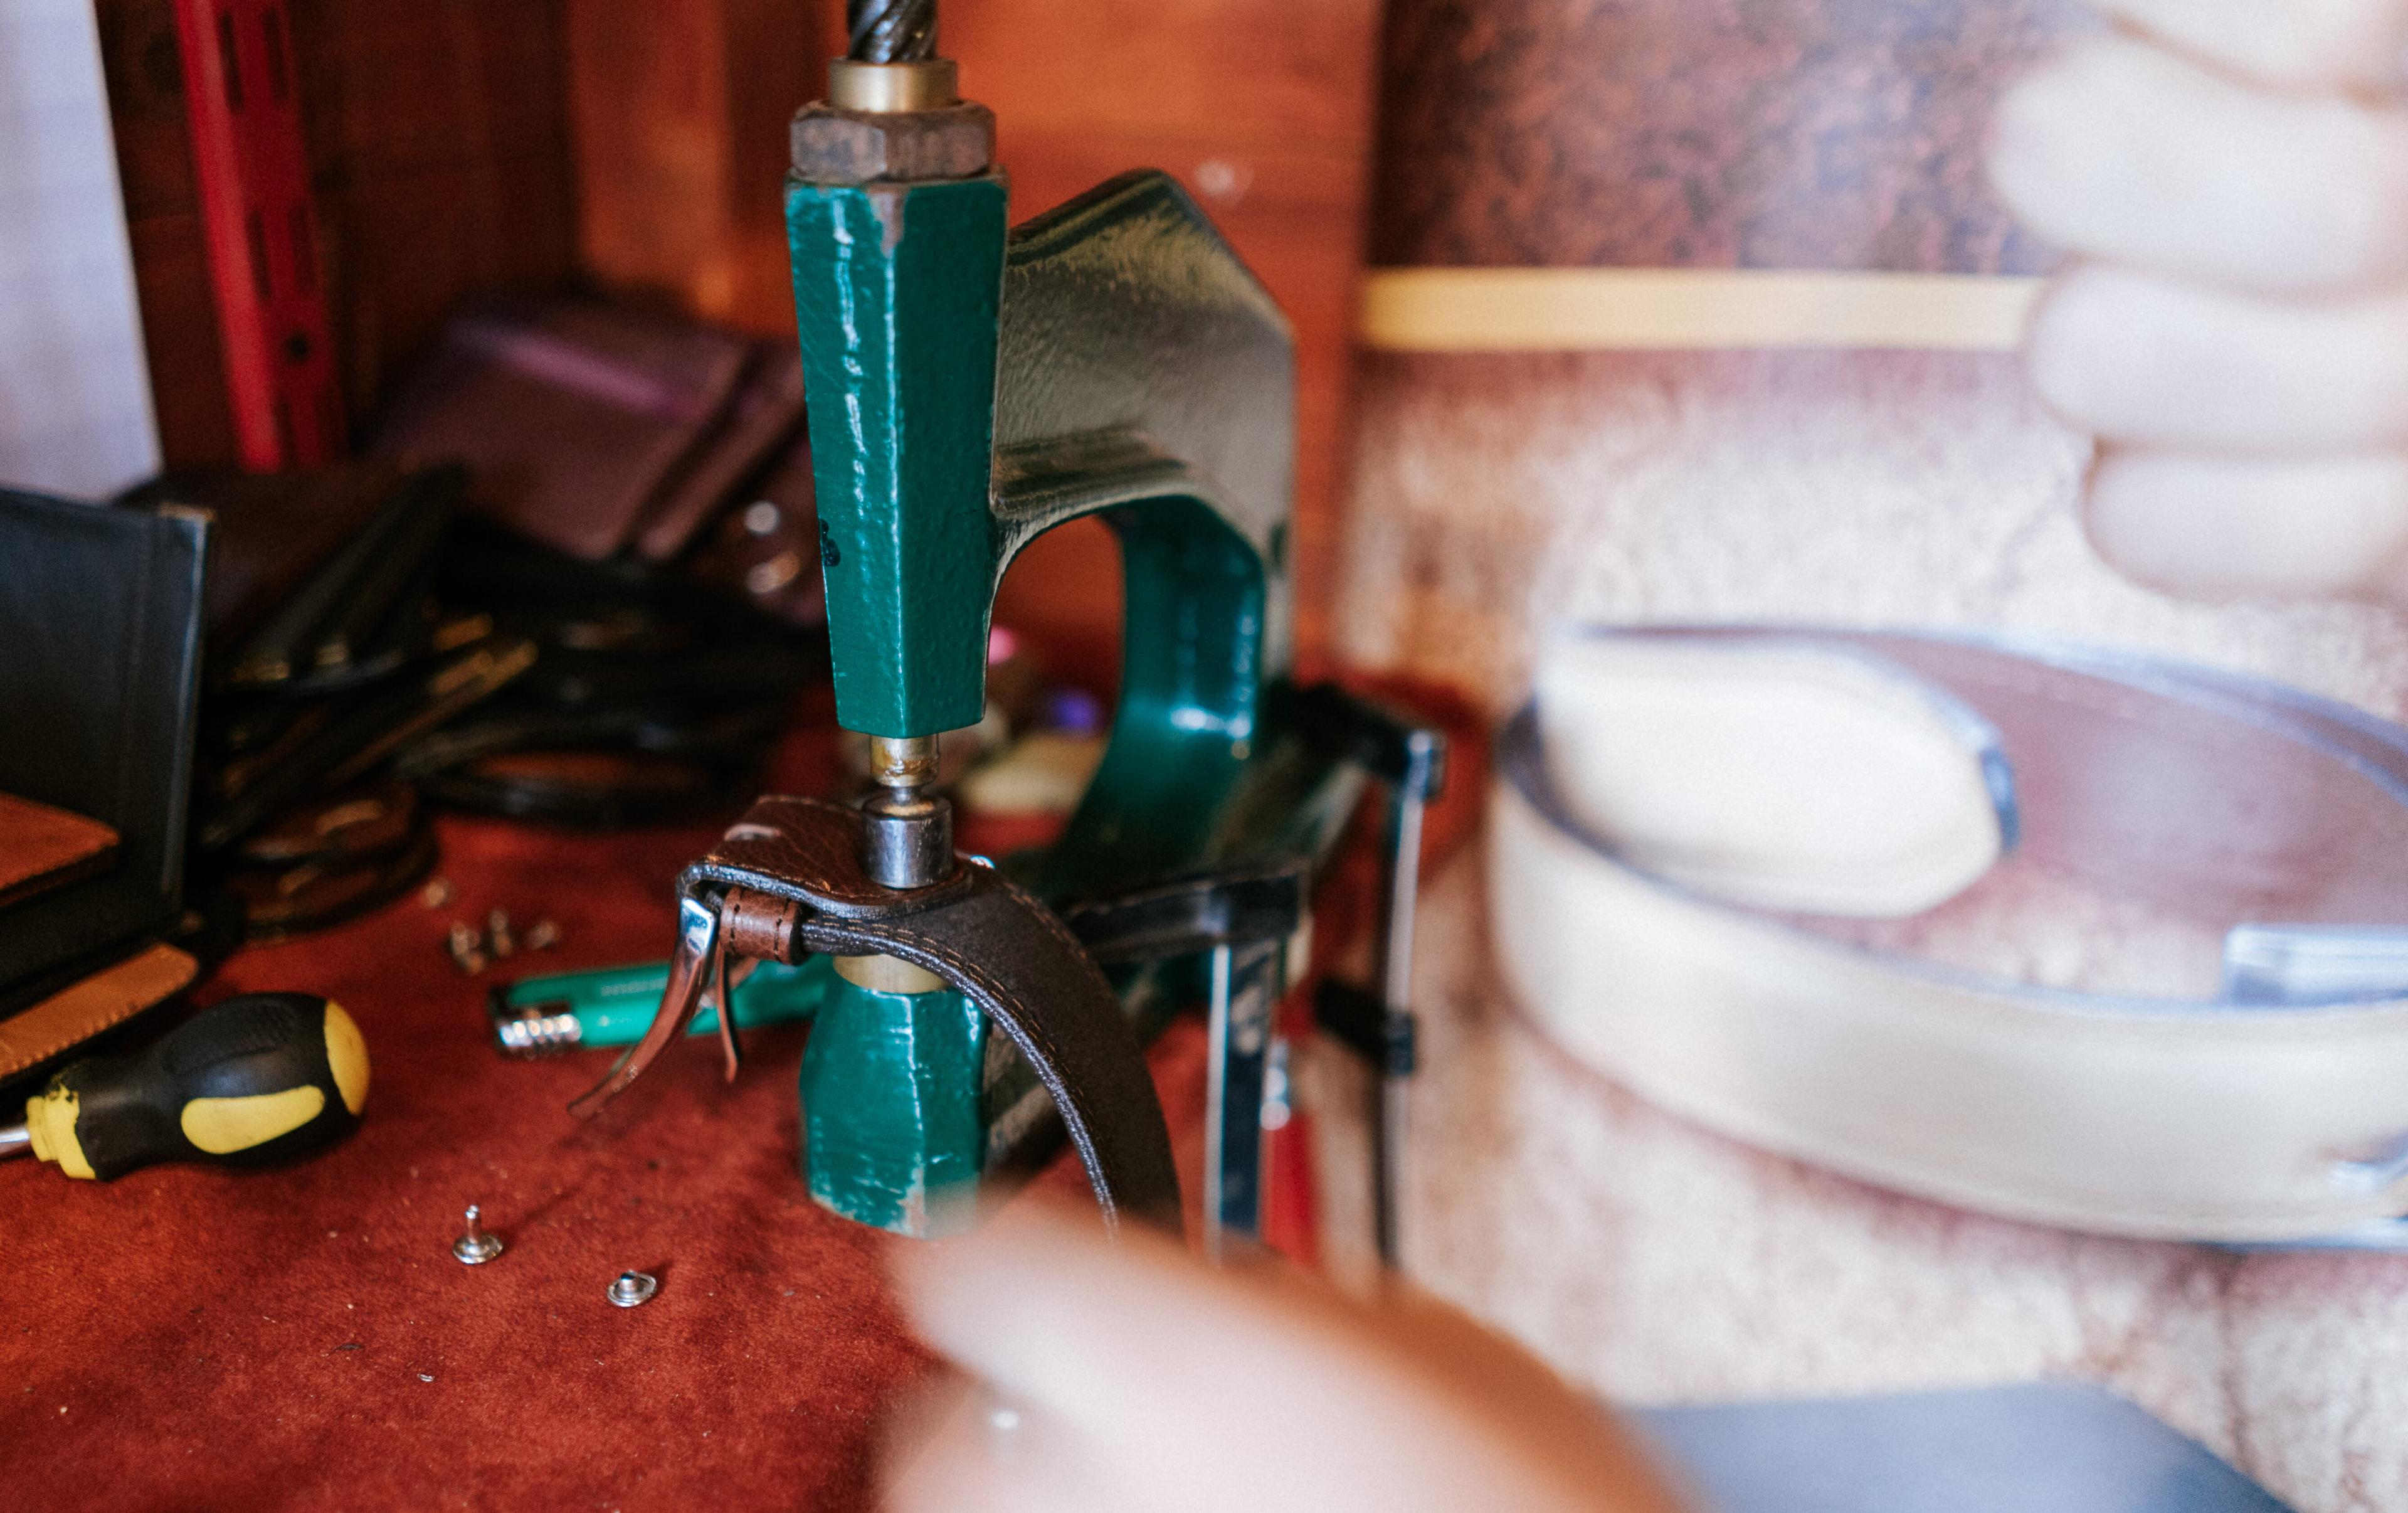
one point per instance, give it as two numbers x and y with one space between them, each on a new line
649 698
327 656
99 672
642 494
620 435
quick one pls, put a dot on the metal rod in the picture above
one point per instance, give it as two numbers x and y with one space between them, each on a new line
1216 1089
910 838
1395 995
15 1139
890 31
1248 980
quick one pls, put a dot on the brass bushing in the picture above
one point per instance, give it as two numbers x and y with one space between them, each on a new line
887 974
923 85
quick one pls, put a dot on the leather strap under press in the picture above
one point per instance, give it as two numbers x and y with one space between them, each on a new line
992 939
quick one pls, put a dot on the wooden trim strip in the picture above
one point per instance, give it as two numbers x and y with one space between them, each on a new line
1435 309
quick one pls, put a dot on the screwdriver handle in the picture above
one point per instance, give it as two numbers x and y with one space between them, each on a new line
257 1079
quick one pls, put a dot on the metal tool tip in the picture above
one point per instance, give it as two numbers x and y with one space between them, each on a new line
478 1246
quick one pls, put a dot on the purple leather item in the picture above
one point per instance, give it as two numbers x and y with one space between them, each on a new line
765 419
574 415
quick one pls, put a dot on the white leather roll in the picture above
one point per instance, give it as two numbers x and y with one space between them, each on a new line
1776 773
2207 1121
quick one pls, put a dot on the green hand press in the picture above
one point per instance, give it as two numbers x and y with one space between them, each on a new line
969 388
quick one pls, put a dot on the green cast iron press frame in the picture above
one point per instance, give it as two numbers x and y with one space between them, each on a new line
969 388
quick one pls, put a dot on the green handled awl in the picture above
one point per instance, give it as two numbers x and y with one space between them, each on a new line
612 1005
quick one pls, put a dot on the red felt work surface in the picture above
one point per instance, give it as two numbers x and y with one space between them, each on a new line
189 1337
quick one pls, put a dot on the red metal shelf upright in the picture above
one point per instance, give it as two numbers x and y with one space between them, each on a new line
242 98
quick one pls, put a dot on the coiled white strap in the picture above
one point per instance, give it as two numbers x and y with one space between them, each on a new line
2215 800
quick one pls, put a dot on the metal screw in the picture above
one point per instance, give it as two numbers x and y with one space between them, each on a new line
478 1246
466 946
542 935
499 938
633 1290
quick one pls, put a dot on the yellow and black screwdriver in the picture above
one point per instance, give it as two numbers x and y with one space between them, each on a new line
262 1077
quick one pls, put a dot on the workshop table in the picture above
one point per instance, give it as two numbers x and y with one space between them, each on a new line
191 1337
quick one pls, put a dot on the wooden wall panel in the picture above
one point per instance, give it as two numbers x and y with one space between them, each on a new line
439 155
679 109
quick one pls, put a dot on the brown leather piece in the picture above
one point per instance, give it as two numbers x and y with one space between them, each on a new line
765 416
42 846
1780 134
575 415
1011 956
103 1000
756 925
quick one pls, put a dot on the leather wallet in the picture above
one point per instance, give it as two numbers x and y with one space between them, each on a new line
100 653
42 847
575 415
765 419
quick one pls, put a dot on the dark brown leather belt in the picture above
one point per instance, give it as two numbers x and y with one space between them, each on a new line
786 881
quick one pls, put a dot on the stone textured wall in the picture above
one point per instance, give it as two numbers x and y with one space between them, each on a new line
1496 496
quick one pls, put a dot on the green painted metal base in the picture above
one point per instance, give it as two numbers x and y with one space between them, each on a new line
892 1132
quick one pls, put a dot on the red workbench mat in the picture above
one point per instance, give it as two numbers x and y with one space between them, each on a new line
189 1337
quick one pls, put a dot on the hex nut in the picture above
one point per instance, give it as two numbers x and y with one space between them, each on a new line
857 147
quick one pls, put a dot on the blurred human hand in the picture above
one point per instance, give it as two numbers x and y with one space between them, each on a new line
2234 174
1129 1377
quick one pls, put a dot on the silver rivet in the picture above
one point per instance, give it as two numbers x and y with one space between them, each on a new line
633 1290
776 573
761 517
479 1244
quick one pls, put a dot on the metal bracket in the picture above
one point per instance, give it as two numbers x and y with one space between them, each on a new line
1410 760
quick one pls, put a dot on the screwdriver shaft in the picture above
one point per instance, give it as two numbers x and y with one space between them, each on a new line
15 1139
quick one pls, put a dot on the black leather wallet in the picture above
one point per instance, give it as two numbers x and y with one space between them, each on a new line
100 655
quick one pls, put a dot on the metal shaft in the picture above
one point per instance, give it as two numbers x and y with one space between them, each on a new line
15 1139
1397 997
910 838
890 31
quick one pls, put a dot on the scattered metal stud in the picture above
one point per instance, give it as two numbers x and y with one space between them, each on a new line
478 1246
466 947
542 935
633 1290
499 938
436 894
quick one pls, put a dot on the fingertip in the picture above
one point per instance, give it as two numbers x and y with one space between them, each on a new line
2078 346
2061 139
2221 529
1013 1301
2294 44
